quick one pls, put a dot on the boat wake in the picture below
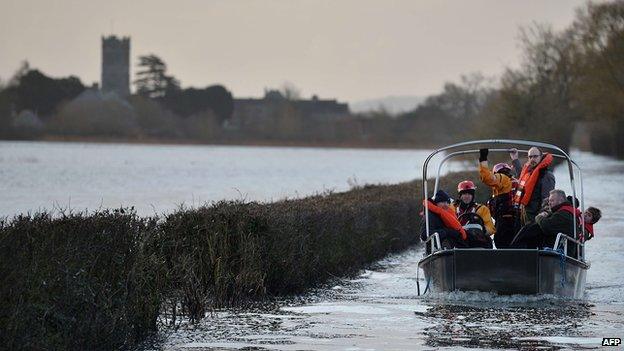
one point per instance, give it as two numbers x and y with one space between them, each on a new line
507 322
470 297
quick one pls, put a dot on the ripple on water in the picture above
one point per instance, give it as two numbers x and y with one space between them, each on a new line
505 322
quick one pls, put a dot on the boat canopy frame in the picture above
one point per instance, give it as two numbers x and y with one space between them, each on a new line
560 154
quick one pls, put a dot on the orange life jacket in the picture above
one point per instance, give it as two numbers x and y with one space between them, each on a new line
528 180
448 218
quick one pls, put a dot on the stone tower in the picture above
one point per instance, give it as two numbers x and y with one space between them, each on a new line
116 65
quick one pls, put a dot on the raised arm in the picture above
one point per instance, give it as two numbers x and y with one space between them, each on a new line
487 177
515 162
484 169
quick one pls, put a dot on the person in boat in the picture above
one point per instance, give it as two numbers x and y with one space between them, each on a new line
535 181
503 184
442 220
590 217
474 217
543 232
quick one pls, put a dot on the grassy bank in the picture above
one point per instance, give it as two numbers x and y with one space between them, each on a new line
101 280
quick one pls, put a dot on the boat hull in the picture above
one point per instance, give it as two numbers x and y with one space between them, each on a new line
505 272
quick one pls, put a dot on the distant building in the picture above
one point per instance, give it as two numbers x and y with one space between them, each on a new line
319 109
116 65
264 111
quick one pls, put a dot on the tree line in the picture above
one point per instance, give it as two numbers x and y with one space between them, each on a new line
575 75
34 105
568 76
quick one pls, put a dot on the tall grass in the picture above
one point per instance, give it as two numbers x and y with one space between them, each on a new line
101 280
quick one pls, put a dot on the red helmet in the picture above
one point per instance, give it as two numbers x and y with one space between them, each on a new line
465 186
500 166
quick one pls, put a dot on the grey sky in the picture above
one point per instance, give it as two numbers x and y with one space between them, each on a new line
348 49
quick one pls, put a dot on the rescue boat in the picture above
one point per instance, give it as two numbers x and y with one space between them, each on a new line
549 271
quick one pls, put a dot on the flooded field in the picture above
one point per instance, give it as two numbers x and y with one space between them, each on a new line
159 178
381 310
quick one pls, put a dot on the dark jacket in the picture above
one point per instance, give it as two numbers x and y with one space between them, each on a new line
435 225
449 237
559 221
540 192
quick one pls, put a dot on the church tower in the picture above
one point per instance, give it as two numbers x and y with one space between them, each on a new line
116 65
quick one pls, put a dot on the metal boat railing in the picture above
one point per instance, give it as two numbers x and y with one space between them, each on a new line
563 239
433 243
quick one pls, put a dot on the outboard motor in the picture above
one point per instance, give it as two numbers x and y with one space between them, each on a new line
475 228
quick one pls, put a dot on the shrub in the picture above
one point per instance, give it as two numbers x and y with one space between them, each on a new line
101 280
77 282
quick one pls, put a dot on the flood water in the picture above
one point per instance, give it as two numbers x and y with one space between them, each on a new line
377 310
159 178
381 310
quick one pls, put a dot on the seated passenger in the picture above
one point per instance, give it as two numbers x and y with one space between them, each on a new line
474 217
591 216
442 220
543 233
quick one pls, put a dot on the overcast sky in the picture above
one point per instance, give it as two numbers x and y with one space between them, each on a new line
346 49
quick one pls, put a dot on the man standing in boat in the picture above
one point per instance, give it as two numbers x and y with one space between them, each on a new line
535 181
